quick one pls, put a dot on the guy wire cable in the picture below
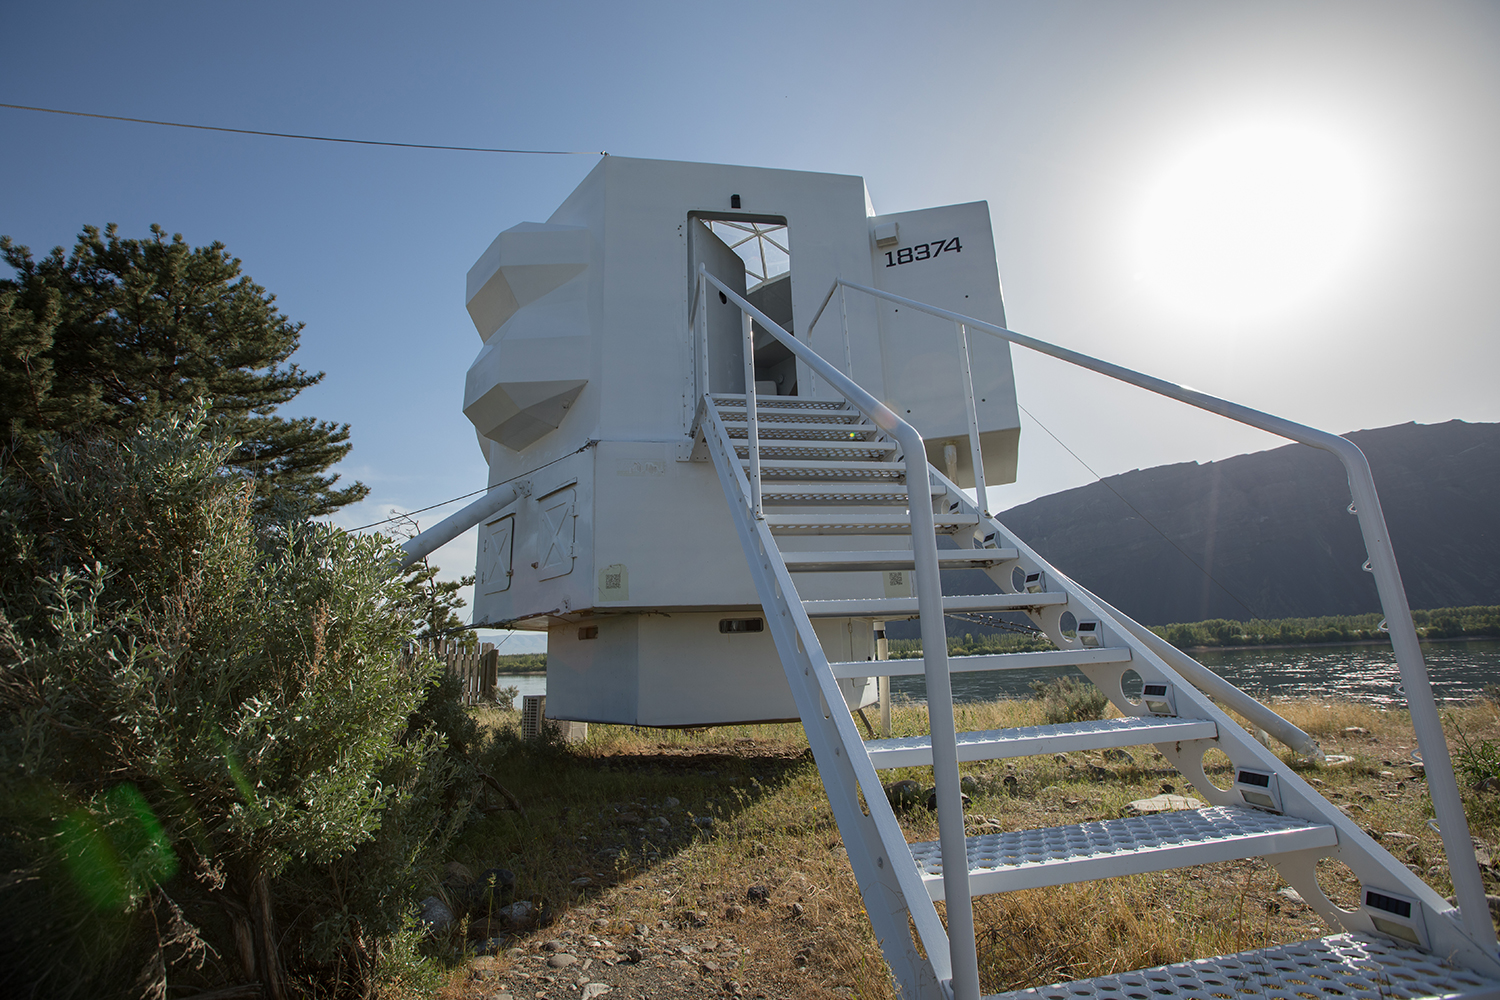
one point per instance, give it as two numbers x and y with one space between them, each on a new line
315 138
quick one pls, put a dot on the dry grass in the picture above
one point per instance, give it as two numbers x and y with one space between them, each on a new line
751 812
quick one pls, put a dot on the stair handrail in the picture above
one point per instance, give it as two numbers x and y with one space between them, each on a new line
1442 784
1192 671
952 844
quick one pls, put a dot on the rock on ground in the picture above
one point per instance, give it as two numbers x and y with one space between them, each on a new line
1161 803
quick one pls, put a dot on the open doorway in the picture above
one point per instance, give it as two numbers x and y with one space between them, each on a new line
752 255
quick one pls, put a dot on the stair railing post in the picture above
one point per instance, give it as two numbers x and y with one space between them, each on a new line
1442 784
702 332
950 808
981 491
837 286
844 319
752 424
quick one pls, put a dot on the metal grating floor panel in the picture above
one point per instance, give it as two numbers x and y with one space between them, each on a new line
816 471
1342 967
840 562
739 430
1057 855
998 744
737 415
1039 659
843 494
857 450
881 607
736 401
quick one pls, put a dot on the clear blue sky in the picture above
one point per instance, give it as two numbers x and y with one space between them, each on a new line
1353 287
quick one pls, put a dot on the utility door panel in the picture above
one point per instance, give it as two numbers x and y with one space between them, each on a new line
726 339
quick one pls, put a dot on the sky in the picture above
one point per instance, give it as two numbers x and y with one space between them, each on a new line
1290 205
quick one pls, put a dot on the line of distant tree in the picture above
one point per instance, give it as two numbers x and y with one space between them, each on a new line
1439 623
523 663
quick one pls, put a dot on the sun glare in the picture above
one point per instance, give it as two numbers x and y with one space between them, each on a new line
1252 220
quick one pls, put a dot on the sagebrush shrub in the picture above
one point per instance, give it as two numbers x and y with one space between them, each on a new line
218 764
1065 699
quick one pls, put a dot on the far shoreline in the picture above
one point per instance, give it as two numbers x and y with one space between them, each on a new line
1343 642
1186 649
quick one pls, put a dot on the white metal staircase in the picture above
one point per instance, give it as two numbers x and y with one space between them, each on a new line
828 494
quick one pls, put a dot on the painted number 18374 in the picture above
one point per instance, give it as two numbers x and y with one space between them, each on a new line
922 251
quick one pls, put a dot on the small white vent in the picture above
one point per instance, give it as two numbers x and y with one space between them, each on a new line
533 712
534 717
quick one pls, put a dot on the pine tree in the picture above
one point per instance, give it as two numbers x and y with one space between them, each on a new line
435 602
121 332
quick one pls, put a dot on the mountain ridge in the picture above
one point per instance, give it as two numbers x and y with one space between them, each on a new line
1270 531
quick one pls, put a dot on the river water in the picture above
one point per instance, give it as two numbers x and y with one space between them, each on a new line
1459 670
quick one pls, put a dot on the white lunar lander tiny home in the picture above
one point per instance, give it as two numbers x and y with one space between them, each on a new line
699 554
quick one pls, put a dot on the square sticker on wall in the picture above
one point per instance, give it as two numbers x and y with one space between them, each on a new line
897 582
614 583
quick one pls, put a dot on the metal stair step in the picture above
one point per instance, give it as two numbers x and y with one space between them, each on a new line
724 401
1029 741
862 523
847 493
1036 660
1030 859
773 430
1340 967
853 562
906 607
817 449
792 408
822 470
1039 659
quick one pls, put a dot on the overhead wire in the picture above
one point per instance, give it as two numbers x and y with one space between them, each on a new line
314 138
1233 596
406 514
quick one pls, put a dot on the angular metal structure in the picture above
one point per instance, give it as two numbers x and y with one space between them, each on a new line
585 390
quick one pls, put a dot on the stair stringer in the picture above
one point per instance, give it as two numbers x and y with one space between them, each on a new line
883 866
1374 866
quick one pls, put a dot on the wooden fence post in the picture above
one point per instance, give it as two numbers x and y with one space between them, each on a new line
489 672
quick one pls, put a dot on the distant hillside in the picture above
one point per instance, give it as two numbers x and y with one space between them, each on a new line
1274 531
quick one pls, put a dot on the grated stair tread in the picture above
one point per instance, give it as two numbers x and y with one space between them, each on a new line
1026 741
1058 855
792 418
817 449
1035 660
860 522
736 400
823 470
906 607
740 429
850 562
823 411
1340 967
847 494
